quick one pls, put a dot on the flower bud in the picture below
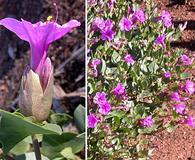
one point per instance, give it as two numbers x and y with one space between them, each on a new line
36 92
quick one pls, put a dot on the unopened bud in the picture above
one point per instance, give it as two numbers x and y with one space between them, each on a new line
36 93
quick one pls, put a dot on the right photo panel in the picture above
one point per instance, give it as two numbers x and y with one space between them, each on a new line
140 79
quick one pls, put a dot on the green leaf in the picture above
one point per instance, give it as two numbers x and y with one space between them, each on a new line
143 67
115 57
21 148
103 69
67 153
170 34
52 145
14 128
53 127
111 73
170 127
115 113
77 144
79 117
153 67
59 118
148 130
184 75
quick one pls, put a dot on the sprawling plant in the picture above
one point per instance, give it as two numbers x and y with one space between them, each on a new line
35 101
135 78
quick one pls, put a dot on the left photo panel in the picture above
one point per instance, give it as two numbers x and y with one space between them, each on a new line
42 80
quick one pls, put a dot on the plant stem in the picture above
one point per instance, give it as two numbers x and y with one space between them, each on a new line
36 147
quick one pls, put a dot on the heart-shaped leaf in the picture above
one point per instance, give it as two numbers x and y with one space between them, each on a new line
79 117
14 128
52 145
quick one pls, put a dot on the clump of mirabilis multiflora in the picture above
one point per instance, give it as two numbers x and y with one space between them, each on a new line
135 78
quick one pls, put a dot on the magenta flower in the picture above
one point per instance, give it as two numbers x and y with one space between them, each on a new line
119 90
167 74
129 59
94 64
111 3
98 23
104 108
185 59
92 2
39 36
190 121
103 104
147 122
125 24
105 26
160 40
189 87
175 97
180 108
99 98
138 16
108 24
166 19
92 121
107 35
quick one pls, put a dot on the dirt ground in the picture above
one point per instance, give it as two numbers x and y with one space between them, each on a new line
180 144
14 53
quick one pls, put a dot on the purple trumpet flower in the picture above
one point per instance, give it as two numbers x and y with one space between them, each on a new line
119 90
102 102
37 81
175 97
125 24
129 59
189 87
166 18
94 64
146 122
138 16
39 36
92 120
180 108
167 74
185 59
160 40
190 121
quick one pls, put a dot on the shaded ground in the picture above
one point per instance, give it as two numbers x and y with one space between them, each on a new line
180 144
14 53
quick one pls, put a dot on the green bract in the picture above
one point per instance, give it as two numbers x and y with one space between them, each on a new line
34 100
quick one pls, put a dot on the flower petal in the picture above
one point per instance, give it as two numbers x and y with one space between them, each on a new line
46 72
59 31
16 27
